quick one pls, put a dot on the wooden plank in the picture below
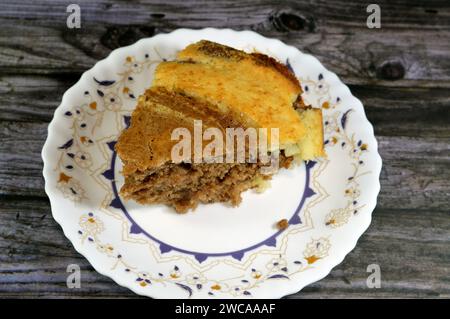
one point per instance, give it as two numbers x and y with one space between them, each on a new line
34 255
412 112
415 174
411 53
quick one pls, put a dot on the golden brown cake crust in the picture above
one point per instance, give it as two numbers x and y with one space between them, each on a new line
222 51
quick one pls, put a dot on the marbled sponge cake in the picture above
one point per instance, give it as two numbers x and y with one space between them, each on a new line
224 88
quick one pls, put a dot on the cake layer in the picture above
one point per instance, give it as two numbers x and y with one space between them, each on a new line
257 88
147 143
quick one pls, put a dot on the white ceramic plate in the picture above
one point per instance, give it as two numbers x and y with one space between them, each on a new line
216 251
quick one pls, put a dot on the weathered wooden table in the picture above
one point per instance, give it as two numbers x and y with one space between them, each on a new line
401 72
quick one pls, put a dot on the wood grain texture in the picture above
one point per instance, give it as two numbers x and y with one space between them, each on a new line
400 72
419 267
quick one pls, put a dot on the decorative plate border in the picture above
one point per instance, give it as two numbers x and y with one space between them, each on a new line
196 281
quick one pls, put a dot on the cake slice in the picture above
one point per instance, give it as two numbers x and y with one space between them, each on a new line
257 87
151 175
